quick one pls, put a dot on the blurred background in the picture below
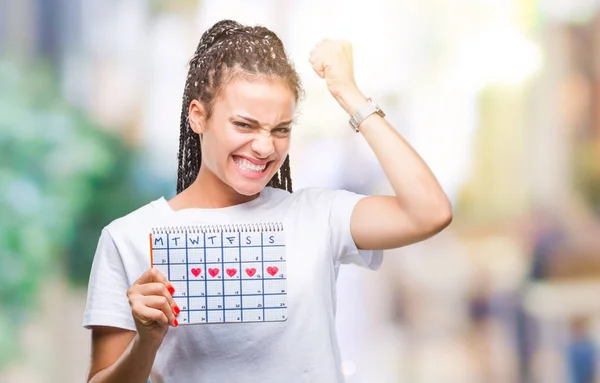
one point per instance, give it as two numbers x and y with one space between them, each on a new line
500 97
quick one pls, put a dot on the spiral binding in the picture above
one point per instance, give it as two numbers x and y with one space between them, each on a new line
225 228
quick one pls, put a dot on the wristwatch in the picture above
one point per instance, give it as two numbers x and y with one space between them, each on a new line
363 112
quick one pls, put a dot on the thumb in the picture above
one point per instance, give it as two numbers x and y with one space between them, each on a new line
317 65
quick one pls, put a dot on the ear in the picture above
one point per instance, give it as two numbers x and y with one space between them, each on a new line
197 117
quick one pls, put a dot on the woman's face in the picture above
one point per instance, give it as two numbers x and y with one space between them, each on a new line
247 137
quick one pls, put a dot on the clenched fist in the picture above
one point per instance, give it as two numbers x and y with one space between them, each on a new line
333 61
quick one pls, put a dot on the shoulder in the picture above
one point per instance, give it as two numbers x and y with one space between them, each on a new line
139 219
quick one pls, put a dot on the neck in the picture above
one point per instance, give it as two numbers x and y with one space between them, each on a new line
209 192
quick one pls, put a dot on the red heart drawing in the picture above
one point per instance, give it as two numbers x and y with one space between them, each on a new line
196 272
251 271
213 272
231 272
272 270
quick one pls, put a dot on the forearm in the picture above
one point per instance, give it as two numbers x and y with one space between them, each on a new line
133 366
416 188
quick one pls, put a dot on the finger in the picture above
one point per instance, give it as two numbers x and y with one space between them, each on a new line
154 275
320 72
314 58
156 289
160 303
318 66
147 315
148 276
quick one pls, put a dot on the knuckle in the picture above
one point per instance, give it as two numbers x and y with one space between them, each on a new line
135 307
132 293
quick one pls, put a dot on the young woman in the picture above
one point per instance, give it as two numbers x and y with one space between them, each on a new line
236 123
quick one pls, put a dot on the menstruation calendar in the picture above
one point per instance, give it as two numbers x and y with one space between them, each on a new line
224 273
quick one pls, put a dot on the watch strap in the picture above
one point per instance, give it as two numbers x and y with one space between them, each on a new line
363 112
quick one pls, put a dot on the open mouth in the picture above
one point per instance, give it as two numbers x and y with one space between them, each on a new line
250 168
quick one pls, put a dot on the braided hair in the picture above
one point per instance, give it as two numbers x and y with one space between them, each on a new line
229 48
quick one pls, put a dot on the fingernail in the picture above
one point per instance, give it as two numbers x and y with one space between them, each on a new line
176 310
171 290
175 323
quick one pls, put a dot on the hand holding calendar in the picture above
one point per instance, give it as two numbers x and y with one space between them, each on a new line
152 305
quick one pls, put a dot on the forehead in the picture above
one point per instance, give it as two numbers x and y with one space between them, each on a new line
259 97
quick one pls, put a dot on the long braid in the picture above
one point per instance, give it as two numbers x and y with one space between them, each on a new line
229 46
275 181
286 175
283 179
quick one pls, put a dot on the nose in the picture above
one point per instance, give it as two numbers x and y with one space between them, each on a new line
263 145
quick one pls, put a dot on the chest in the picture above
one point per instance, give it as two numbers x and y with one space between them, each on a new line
213 267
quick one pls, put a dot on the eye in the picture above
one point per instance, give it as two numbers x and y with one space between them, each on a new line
282 131
242 125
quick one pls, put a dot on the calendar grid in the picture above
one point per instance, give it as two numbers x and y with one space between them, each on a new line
206 278
222 270
240 259
262 260
168 259
187 280
247 247
226 309
246 295
217 280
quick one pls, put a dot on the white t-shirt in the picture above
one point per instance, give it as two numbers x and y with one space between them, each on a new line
303 348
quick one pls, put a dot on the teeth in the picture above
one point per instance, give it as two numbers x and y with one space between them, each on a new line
249 166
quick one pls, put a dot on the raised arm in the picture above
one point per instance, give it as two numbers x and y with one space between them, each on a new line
420 208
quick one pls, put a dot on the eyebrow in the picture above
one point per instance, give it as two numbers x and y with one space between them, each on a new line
255 122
